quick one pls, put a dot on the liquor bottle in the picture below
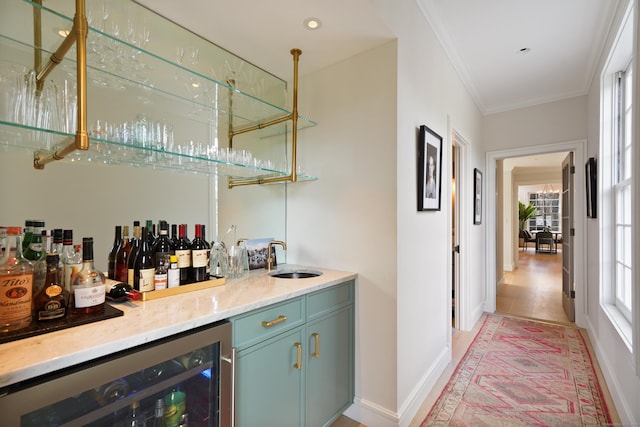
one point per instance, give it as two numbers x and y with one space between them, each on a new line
135 247
158 415
47 242
37 255
120 292
67 252
28 233
136 417
58 242
122 257
16 284
160 278
111 258
144 269
51 301
183 252
173 273
199 256
72 266
88 284
162 246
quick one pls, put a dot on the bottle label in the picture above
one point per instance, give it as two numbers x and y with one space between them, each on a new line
88 297
199 257
52 310
15 297
53 290
130 273
184 258
146 279
173 278
160 281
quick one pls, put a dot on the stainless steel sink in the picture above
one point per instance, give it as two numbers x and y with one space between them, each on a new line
295 274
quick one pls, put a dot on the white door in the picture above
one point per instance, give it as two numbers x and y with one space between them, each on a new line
568 286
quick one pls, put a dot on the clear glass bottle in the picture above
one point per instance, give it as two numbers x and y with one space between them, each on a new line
58 242
16 284
51 301
88 284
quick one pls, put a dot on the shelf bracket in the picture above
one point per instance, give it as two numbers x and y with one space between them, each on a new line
77 36
292 176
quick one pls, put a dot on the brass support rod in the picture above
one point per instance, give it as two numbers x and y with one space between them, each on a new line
293 175
37 41
79 36
232 84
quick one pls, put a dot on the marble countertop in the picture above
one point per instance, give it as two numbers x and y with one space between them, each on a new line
151 320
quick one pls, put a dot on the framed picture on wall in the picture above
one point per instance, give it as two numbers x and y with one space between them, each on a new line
591 177
429 167
477 196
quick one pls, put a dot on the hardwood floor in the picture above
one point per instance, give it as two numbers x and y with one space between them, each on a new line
534 289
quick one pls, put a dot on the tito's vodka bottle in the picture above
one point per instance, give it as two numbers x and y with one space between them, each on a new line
16 284
88 284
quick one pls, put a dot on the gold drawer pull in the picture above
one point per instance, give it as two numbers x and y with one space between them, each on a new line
316 337
273 322
299 364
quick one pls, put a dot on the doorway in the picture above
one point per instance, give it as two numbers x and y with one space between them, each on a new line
494 272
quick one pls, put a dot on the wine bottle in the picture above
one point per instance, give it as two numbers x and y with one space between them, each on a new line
135 247
111 258
144 269
162 246
151 237
16 282
122 257
183 252
120 292
204 238
199 256
88 283
174 234
51 301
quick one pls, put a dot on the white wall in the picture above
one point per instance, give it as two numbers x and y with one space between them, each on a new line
613 355
361 215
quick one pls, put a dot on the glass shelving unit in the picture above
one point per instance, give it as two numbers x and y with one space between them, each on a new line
154 72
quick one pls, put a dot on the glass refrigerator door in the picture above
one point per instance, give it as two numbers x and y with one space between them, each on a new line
181 381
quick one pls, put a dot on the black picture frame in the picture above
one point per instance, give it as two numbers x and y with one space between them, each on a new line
591 187
429 169
477 196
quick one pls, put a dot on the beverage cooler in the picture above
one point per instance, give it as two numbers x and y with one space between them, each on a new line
184 379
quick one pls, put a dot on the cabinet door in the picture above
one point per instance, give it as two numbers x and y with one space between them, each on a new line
329 365
269 389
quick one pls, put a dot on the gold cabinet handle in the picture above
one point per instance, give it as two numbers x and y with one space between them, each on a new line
273 322
298 346
316 337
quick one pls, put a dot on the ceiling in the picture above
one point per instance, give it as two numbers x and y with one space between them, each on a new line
483 39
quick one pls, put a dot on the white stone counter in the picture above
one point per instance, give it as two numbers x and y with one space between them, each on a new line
151 320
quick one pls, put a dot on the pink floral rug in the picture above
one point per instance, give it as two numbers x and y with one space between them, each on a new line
520 372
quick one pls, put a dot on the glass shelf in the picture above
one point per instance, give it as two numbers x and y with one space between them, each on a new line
158 69
110 152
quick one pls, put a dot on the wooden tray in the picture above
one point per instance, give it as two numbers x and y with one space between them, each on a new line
218 281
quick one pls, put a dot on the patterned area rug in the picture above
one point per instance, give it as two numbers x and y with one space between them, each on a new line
519 372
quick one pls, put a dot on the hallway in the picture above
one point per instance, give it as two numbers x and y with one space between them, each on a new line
534 289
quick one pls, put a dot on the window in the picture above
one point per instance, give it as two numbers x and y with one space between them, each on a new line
547 205
622 190
615 176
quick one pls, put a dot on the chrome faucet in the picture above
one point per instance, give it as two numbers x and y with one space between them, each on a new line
271 261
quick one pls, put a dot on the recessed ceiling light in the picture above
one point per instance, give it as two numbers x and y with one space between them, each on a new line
524 50
312 23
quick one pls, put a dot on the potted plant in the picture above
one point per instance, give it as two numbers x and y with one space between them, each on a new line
525 212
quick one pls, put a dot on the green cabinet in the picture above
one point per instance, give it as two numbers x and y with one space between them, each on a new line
295 361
